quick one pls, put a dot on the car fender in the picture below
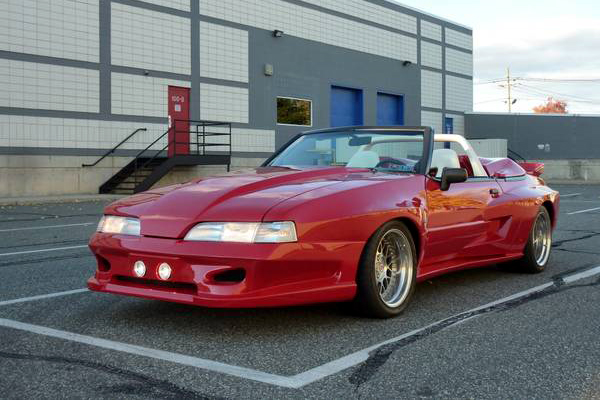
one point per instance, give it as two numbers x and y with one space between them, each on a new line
351 212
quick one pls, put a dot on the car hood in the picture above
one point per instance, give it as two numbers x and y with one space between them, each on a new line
243 196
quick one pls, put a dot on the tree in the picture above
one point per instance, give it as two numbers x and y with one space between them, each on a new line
551 107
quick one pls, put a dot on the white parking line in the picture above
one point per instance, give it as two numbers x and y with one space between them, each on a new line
295 381
581 275
42 296
562 196
31 228
43 250
584 211
177 358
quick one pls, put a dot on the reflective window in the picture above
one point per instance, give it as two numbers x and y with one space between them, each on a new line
387 151
292 111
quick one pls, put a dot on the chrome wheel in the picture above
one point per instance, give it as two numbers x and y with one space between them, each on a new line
394 267
542 239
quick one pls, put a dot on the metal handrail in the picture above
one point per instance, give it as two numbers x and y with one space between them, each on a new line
174 142
114 148
152 144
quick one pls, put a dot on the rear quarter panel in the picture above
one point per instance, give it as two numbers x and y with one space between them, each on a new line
525 197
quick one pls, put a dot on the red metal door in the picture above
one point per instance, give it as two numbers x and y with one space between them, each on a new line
179 124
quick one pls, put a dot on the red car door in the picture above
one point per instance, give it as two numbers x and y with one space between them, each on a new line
462 226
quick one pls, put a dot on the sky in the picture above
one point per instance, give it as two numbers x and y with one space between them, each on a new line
541 39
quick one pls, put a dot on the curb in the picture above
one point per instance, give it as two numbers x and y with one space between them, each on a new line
28 201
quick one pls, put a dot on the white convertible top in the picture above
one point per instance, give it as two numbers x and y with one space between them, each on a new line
478 169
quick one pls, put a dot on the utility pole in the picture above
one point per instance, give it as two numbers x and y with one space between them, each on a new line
508 86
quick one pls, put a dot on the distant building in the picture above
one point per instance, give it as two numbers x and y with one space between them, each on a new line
567 143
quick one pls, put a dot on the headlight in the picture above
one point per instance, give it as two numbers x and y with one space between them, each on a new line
122 225
244 232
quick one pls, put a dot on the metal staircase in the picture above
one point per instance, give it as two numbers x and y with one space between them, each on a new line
209 144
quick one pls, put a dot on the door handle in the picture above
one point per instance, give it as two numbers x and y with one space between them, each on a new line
495 193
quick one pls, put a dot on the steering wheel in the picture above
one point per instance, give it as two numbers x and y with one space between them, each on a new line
390 161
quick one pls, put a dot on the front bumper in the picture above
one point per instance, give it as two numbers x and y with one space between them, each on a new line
266 275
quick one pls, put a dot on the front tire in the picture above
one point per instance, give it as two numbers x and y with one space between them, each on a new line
387 273
539 245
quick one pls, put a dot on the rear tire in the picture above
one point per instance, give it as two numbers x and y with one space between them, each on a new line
539 246
387 272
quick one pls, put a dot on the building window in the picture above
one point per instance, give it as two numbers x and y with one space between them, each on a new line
449 125
291 111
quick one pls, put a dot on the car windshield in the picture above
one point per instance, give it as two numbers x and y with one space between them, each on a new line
390 151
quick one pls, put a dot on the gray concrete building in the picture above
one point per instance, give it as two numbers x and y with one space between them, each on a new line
568 144
79 76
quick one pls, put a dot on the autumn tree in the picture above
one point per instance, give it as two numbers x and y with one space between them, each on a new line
551 106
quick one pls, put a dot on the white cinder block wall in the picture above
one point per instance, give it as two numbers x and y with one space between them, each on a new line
71 89
48 87
459 94
224 103
55 28
431 89
141 95
432 119
223 52
431 55
150 40
431 30
374 12
447 77
315 25
459 62
459 39
459 123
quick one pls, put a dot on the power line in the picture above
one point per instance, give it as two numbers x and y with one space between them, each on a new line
561 80
498 80
551 80
551 92
518 83
503 99
491 101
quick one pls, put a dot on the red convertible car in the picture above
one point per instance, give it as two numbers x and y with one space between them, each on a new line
351 214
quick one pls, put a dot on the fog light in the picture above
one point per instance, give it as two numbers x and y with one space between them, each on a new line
164 271
139 268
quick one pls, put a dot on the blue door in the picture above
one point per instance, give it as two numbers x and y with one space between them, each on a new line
390 109
449 125
346 106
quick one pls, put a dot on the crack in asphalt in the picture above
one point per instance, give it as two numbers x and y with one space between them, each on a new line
379 357
145 385
593 253
576 230
592 234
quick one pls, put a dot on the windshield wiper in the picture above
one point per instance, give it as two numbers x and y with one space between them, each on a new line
391 170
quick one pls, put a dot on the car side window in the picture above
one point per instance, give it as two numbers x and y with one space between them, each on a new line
473 166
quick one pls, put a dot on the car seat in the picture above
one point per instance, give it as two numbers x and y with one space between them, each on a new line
444 158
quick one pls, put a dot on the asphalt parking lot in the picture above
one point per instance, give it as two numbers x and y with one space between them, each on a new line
482 333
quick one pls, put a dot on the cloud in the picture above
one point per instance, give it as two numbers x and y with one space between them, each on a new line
573 56
552 47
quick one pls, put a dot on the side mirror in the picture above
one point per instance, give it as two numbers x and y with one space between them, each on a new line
453 175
